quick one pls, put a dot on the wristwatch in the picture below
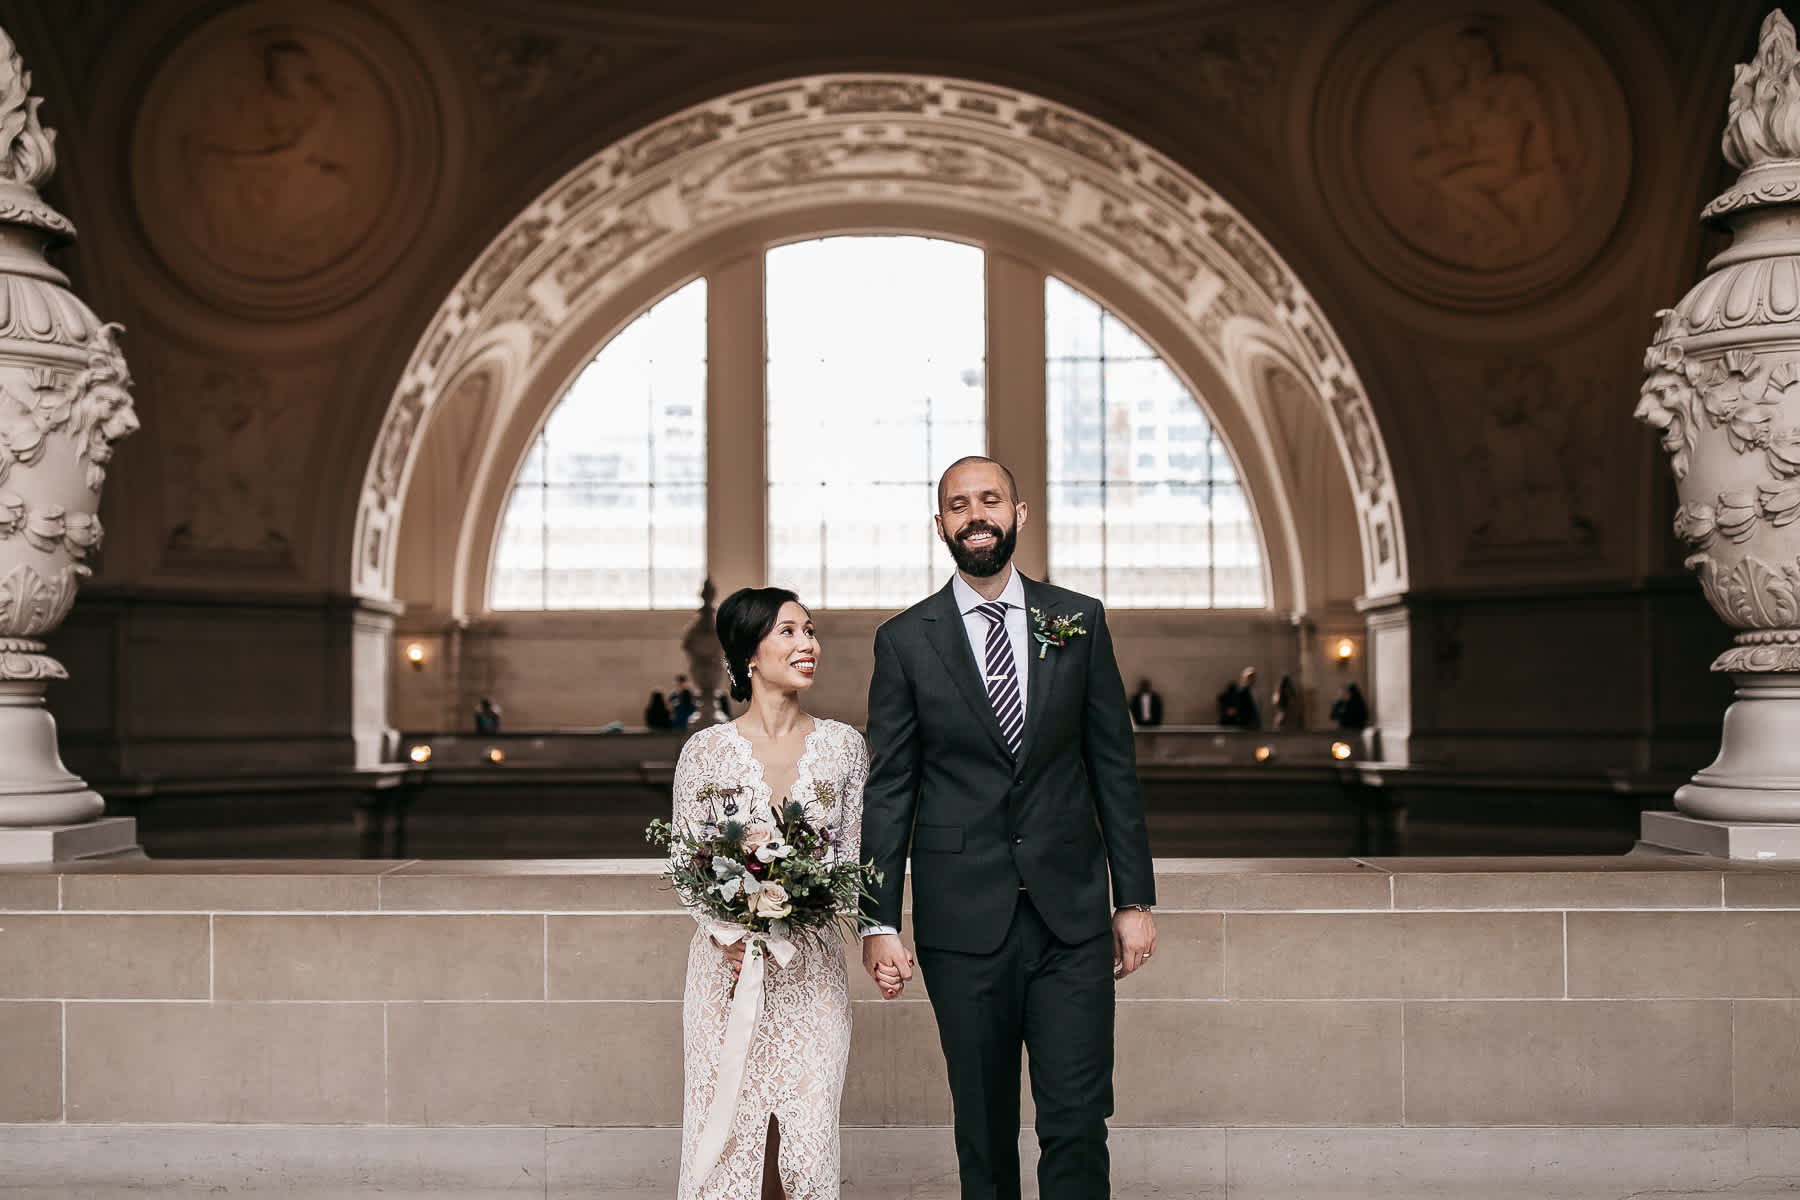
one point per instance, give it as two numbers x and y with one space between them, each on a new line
1135 907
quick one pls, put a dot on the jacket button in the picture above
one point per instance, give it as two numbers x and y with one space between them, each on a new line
1018 839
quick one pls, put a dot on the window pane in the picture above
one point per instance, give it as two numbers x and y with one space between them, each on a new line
1145 505
876 383
609 507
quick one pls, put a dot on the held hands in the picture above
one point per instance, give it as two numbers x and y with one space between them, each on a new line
887 962
1134 938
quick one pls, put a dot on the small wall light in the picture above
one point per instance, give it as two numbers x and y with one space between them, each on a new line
420 754
415 654
1264 753
1346 650
496 755
1340 750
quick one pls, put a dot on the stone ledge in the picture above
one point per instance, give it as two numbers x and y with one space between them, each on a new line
1629 882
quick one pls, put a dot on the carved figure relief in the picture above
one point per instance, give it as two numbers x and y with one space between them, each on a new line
269 150
239 464
1493 159
1479 159
283 181
1529 456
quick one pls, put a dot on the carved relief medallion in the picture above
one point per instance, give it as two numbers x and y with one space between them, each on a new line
1474 156
270 153
239 459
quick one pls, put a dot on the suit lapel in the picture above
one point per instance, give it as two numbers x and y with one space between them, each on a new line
950 638
1039 672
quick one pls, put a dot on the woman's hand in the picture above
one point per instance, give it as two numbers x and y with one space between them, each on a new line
734 954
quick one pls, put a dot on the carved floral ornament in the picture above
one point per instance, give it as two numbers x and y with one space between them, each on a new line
843 140
1722 378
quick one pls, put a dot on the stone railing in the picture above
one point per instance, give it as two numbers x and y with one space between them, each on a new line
1401 1027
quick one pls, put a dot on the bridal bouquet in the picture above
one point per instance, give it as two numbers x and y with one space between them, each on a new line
781 878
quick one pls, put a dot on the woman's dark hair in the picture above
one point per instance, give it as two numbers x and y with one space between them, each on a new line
744 620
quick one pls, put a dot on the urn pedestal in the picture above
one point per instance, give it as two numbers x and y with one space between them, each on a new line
1723 387
64 400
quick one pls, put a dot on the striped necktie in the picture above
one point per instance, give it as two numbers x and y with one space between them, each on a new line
1003 675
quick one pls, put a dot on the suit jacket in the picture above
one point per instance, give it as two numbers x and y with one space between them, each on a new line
979 824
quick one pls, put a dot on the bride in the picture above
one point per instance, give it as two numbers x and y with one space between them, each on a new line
780 1136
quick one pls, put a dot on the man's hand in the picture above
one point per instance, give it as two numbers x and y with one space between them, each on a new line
1134 938
887 962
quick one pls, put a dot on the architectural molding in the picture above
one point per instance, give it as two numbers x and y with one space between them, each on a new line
927 144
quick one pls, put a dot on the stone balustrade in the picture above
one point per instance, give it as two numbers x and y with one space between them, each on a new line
1543 1027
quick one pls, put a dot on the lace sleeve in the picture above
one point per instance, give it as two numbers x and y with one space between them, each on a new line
856 773
690 814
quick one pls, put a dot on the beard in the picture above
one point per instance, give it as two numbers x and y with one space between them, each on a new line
983 564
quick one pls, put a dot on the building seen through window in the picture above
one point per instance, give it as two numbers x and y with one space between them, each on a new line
1145 507
876 384
609 508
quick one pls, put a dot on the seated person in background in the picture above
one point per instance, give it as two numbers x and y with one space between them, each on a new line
1350 711
487 716
1146 705
683 703
656 713
1237 703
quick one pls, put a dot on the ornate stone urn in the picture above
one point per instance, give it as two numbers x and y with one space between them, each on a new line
1723 385
64 400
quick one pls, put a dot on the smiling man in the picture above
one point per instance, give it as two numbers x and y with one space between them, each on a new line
1002 759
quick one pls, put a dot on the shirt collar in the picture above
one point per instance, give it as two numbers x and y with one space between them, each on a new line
967 598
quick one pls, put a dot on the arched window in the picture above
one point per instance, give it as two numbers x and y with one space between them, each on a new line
1145 506
875 384
875 381
609 509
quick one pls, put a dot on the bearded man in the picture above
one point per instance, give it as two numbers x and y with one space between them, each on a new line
1002 759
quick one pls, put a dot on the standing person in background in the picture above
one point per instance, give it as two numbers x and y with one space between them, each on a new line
1286 708
487 716
1350 712
1146 706
1237 703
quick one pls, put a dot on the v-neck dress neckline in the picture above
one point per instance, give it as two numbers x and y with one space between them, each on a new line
759 777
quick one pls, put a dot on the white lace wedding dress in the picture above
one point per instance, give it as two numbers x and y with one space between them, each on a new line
802 1042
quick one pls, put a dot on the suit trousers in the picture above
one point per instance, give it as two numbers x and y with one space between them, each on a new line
1056 1001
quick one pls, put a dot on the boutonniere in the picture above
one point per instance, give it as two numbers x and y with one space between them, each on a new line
721 801
1055 631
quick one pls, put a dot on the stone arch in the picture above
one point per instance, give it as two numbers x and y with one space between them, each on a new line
894 153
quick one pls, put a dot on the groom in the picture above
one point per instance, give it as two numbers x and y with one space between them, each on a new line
1002 757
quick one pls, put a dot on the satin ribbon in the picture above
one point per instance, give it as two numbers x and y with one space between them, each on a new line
740 1030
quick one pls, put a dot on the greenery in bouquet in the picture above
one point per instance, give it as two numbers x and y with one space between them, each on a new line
782 877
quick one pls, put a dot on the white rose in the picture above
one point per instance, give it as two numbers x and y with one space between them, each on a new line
771 902
759 835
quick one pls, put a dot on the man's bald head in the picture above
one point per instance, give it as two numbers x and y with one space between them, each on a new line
1012 485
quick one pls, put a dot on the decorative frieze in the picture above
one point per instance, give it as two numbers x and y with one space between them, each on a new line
843 141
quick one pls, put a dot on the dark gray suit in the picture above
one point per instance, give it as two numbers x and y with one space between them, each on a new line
1010 864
